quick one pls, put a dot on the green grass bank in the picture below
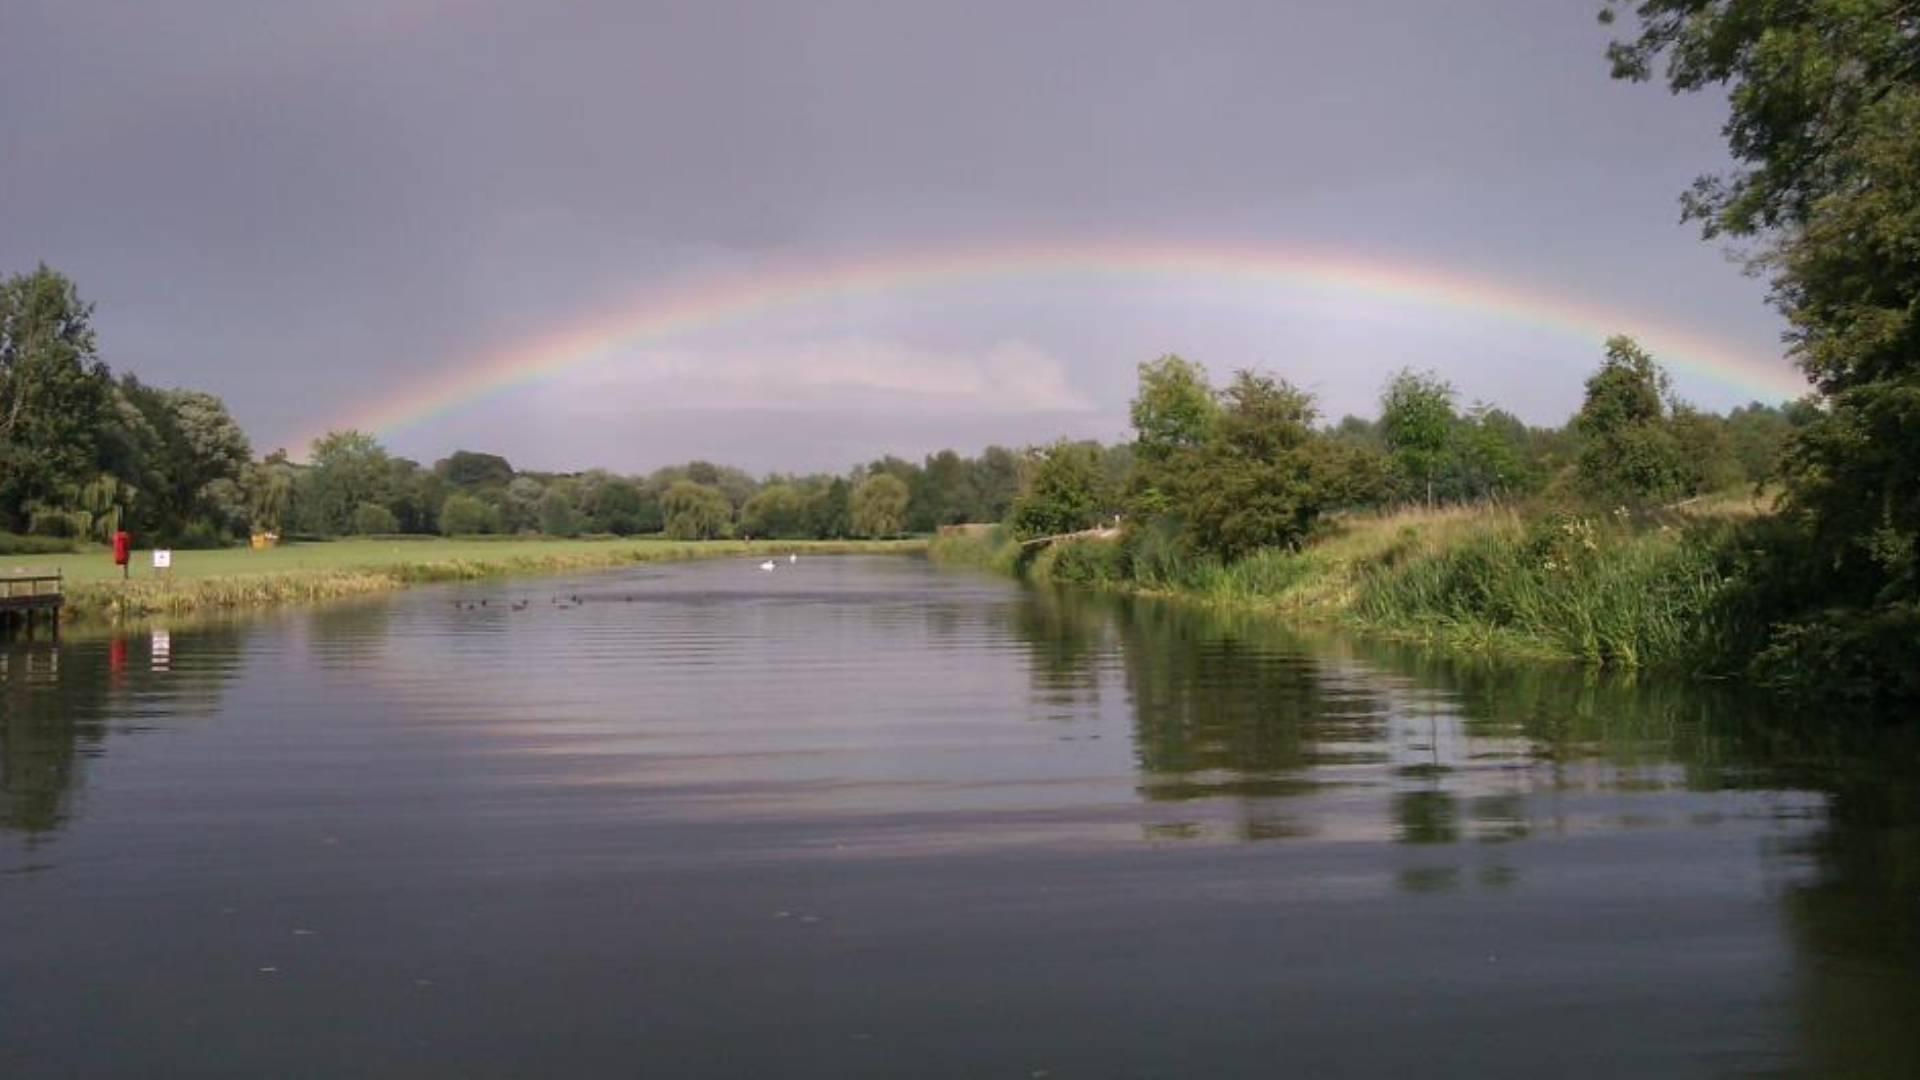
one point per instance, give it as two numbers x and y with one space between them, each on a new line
1608 590
202 582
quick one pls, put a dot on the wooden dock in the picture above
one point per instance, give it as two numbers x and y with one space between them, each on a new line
27 599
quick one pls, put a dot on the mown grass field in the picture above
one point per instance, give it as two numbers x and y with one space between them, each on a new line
240 578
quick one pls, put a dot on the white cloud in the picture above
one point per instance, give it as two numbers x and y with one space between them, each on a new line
1008 377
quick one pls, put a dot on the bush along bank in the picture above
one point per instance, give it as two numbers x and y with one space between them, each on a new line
1609 590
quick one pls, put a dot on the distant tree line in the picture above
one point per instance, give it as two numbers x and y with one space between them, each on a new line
84 453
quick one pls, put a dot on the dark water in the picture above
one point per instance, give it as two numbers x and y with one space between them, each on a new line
859 817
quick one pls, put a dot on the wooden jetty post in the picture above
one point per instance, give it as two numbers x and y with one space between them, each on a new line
25 598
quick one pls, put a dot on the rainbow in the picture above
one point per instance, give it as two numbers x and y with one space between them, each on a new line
737 299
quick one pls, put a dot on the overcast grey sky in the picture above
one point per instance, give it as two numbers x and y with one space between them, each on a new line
307 208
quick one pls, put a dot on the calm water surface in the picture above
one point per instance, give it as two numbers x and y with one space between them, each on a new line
862 817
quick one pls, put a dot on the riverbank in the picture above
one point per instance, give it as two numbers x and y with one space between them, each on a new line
236 578
1607 590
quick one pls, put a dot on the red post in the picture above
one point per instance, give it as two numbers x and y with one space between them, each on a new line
122 550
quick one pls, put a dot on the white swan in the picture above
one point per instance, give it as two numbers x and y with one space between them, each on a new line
791 559
768 565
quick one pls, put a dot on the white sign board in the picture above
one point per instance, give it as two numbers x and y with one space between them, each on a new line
162 558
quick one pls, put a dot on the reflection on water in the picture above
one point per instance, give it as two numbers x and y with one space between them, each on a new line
860 817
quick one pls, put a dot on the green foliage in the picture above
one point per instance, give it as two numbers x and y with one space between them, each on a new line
1174 413
996 483
557 515
347 468
370 519
1491 457
1628 453
623 508
1066 490
182 457
1824 132
1417 422
990 548
1707 458
942 492
55 393
1174 408
1350 473
15 544
1758 433
1252 484
830 510
1095 563
695 511
471 471
1605 593
1867 657
777 510
878 506
464 515
269 494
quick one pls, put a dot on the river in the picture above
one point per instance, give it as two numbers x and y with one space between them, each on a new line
863 817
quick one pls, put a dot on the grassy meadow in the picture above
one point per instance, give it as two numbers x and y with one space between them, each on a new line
235 578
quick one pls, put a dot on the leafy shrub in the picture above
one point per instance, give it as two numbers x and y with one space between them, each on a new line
1853 655
15 544
1081 562
372 518
465 515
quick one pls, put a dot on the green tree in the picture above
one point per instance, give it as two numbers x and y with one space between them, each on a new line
695 511
830 512
996 483
466 515
54 392
1824 132
1066 490
1255 482
1758 433
1174 408
1349 474
1707 459
468 470
269 494
878 505
777 510
346 469
1417 421
416 495
183 452
371 518
942 493
519 504
1490 457
557 515
1627 453
1174 412
622 507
